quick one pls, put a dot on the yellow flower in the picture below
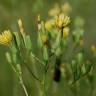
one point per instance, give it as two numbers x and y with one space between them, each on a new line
49 25
54 11
6 37
66 8
62 20
66 32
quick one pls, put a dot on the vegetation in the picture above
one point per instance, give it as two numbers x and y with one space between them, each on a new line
54 59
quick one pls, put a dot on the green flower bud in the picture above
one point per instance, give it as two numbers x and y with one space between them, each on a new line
45 53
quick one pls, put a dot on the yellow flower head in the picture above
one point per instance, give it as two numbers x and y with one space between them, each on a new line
49 25
66 32
54 11
62 20
6 37
66 8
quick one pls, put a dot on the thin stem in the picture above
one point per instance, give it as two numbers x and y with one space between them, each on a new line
35 77
25 90
44 80
35 70
28 66
23 86
36 58
20 78
44 87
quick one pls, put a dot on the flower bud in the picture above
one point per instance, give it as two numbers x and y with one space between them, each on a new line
66 8
21 26
44 39
54 11
49 25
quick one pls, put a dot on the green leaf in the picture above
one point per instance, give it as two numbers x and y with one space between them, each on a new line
8 57
40 44
17 39
28 44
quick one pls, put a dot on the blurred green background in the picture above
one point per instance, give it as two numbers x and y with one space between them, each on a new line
27 10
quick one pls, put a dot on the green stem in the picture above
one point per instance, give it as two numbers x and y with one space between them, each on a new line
44 81
44 86
23 86
20 78
36 58
34 68
35 77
